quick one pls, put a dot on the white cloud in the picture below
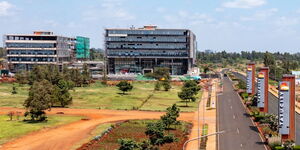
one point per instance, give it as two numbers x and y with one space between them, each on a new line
287 21
5 8
244 4
184 17
219 9
260 15
298 11
112 9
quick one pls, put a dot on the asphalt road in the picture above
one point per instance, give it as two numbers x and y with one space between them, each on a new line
240 133
273 109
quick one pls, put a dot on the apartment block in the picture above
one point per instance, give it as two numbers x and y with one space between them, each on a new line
140 50
23 51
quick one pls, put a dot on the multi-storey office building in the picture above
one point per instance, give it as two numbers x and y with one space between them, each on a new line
23 51
141 50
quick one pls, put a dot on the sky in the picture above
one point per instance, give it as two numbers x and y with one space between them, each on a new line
231 25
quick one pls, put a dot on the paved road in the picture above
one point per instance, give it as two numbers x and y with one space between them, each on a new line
240 132
273 109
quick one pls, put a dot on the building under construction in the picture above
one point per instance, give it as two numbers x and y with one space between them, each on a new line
141 50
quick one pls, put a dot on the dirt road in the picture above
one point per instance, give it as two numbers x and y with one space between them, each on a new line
64 137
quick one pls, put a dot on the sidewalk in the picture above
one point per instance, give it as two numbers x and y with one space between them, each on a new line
209 118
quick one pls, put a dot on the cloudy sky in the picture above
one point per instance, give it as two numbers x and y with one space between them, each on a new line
231 25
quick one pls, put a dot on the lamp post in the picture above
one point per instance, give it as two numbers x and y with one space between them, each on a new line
184 145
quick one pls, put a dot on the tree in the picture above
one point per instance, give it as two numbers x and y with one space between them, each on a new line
160 74
86 76
76 77
61 93
14 89
170 118
39 100
124 86
157 86
167 85
269 59
128 144
155 131
22 77
188 92
205 68
38 74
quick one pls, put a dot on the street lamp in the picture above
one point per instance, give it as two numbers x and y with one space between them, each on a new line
184 145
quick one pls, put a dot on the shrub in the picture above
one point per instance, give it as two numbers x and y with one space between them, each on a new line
274 141
279 148
297 147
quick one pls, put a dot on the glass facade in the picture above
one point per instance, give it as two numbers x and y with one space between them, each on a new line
31 45
25 50
137 50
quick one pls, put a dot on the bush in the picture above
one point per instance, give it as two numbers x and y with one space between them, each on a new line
244 95
274 142
279 148
297 147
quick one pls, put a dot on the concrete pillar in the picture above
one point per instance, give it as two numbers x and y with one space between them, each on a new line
251 78
286 112
263 89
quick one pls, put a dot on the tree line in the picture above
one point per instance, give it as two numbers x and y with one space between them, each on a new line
50 87
279 63
234 57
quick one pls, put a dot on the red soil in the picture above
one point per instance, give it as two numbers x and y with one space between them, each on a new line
65 136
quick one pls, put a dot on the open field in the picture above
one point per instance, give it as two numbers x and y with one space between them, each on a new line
136 130
13 129
12 100
106 97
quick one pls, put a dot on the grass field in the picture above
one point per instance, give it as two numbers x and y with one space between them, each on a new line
106 97
136 130
13 129
12 100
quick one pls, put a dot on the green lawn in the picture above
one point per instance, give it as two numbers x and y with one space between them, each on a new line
107 97
12 100
13 129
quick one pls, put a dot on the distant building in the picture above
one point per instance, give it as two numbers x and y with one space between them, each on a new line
82 48
141 50
297 74
96 68
23 51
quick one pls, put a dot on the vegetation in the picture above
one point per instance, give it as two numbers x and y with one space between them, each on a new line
162 75
96 54
124 86
50 87
39 100
97 95
156 132
134 130
13 129
1 52
188 92
170 118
